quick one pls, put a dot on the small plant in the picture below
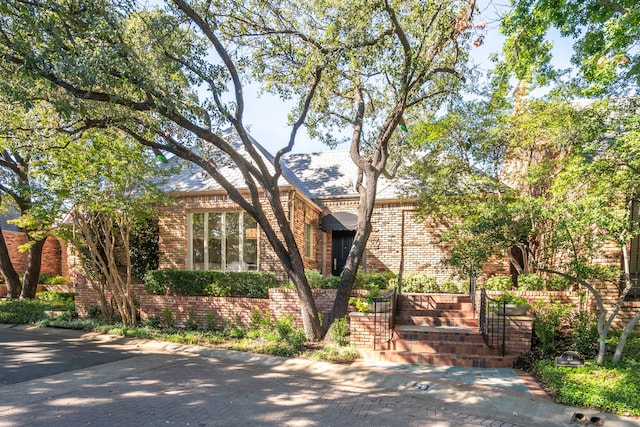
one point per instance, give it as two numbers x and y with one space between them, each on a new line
362 303
339 332
192 322
510 298
212 322
547 320
314 277
166 318
558 283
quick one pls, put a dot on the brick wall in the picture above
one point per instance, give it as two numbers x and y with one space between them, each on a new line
52 259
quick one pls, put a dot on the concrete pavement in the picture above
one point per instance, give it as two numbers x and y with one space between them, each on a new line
162 383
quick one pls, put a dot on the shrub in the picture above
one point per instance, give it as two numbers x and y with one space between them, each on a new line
498 283
331 282
52 280
166 318
211 283
558 283
530 282
314 277
450 287
22 311
57 300
339 332
373 280
547 319
584 335
417 283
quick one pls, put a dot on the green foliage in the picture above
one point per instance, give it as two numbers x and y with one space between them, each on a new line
339 332
22 311
417 283
584 333
334 354
607 387
510 298
558 283
498 283
52 280
604 53
314 277
530 282
192 322
331 282
145 251
166 318
450 287
373 280
548 317
212 283
57 300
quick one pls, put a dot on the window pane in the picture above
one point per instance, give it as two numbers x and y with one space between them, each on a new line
215 241
232 226
197 243
250 248
308 240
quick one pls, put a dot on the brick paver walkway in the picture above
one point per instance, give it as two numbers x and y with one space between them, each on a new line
161 389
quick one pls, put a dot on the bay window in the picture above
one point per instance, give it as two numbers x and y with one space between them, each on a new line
226 241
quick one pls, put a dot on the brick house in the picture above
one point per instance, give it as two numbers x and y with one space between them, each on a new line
319 191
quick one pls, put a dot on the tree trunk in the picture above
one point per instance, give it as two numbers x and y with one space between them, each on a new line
623 337
32 274
11 277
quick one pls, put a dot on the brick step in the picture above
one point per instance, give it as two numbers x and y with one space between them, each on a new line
439 333
463 360
438 347
444 306
435 313
438 321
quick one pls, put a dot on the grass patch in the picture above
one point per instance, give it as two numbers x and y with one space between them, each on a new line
607 387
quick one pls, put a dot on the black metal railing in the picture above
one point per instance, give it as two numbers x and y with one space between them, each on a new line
493 321
384 309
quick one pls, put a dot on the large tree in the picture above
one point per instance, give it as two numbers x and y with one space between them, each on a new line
605 36
28 141
174 76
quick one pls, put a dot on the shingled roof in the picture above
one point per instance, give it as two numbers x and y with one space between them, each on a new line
317 175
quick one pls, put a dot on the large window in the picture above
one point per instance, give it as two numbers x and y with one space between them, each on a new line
226 241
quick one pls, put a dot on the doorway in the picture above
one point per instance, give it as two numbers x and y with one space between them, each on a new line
341 242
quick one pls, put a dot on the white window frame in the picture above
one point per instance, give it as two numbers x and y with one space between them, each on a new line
223 225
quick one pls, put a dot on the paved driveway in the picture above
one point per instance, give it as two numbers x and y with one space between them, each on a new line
56 378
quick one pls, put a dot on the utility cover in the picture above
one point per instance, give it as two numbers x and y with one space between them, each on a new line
570 358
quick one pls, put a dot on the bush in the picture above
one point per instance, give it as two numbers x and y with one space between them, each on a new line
558 283
417 283
530 282
331 282
547 319
57 300
372 281
498 283
52 280
211 283
450 287
314 277
584 335
339 332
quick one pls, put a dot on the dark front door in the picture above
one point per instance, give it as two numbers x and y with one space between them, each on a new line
341 242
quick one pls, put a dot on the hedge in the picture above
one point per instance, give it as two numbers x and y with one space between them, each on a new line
210 283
